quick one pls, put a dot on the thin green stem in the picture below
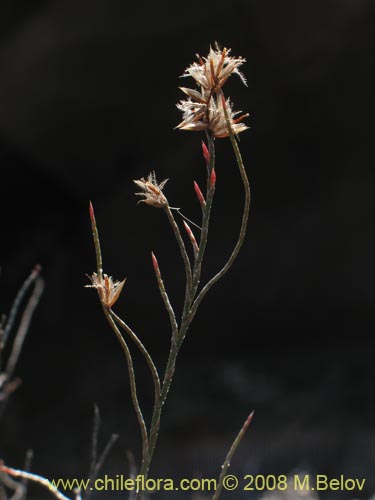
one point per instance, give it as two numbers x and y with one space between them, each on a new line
129 360
133 385
206 214
155 423
98 250
143 350
183 251
192 285
167 303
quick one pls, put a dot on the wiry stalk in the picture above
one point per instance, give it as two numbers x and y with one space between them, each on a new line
192 301
177 340
231 452
34 478
164 295
142 349
201 112
181 244
133 385
124 346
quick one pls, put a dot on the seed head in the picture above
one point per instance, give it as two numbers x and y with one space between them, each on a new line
152 191
203 110
212 118
211 72
108 290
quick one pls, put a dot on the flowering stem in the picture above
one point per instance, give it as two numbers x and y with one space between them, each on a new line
129 360
177 340
245 217
206 213
191 305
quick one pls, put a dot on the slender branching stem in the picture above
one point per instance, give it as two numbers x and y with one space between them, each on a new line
205 220
35 273
142 349
133 385
245 217
97 462
183 251
24 326
120 338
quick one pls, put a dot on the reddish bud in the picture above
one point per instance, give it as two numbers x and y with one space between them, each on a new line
206 153
92 214
191 237
212 178
223 101
249 419
199 194
155 263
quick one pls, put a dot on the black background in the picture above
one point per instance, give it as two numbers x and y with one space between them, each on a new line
87 100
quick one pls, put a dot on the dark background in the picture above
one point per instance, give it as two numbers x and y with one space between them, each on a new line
87 103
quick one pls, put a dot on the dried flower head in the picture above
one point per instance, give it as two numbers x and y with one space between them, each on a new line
108 290
204 110
213 71
213 119
152 191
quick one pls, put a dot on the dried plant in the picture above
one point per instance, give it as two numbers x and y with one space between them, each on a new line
8 384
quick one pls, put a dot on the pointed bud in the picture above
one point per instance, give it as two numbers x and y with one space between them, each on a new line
212 178
155 263
206 153
92 214
191 237
249 419
199 194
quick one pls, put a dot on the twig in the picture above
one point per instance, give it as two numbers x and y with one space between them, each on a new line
18 487
34 478
103 456
96 464
17 301
231 452
24 325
